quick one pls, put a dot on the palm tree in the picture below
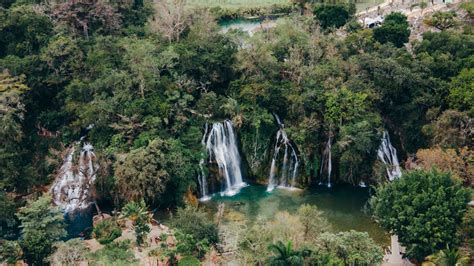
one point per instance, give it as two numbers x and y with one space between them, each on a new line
447 257
138 213
286 256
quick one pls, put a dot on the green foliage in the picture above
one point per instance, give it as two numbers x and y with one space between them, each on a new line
146 172
196 223
12 115
70 252
335 15
424 209
448 257
189 246
10 252
443 20
106 231
189 261
23 30
313 221
394 29
461 92
41 225
137 212
285 255
8 221
351 248
116 253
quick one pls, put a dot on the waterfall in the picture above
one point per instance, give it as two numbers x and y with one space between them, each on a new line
202 179
221 145
326 162
388 155
72 188
285 175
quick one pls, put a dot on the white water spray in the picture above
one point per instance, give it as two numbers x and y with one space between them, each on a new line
388 155
285 174
221 144
326 162
72 189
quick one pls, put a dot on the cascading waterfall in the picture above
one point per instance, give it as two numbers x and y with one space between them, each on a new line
221 144
72 189
285 175
202 179
388 155
326 162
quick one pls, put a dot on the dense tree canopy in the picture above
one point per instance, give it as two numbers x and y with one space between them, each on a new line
140 81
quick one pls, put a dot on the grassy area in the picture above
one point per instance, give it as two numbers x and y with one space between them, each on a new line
235 3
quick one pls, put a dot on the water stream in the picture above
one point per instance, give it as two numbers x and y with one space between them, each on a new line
72 188
326 163
388 155
221 143
284 166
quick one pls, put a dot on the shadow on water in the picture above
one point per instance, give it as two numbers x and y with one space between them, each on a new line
343 206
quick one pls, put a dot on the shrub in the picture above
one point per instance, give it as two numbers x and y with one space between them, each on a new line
189 261
192 221
115 253
106 231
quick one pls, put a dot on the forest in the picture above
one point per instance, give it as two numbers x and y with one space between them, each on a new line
145 113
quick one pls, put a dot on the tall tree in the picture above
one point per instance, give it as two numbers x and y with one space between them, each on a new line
41 225
424 209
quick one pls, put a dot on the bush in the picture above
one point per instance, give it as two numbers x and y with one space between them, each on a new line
351 248
189 261
424 209
115 253
106 231
10 252
192 221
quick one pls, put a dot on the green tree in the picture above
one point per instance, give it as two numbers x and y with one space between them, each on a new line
461 92
312 220
106 231
448 257
424 209
138 213
349 248
70 252
86 16
115 253
146 172
285 255
394 29
23 30
12 115
10 252
41 225
195 222
443 20
333 15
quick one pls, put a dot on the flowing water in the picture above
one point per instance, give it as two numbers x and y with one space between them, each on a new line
343 206
72 189
221 145
326 163
388 155
284 166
